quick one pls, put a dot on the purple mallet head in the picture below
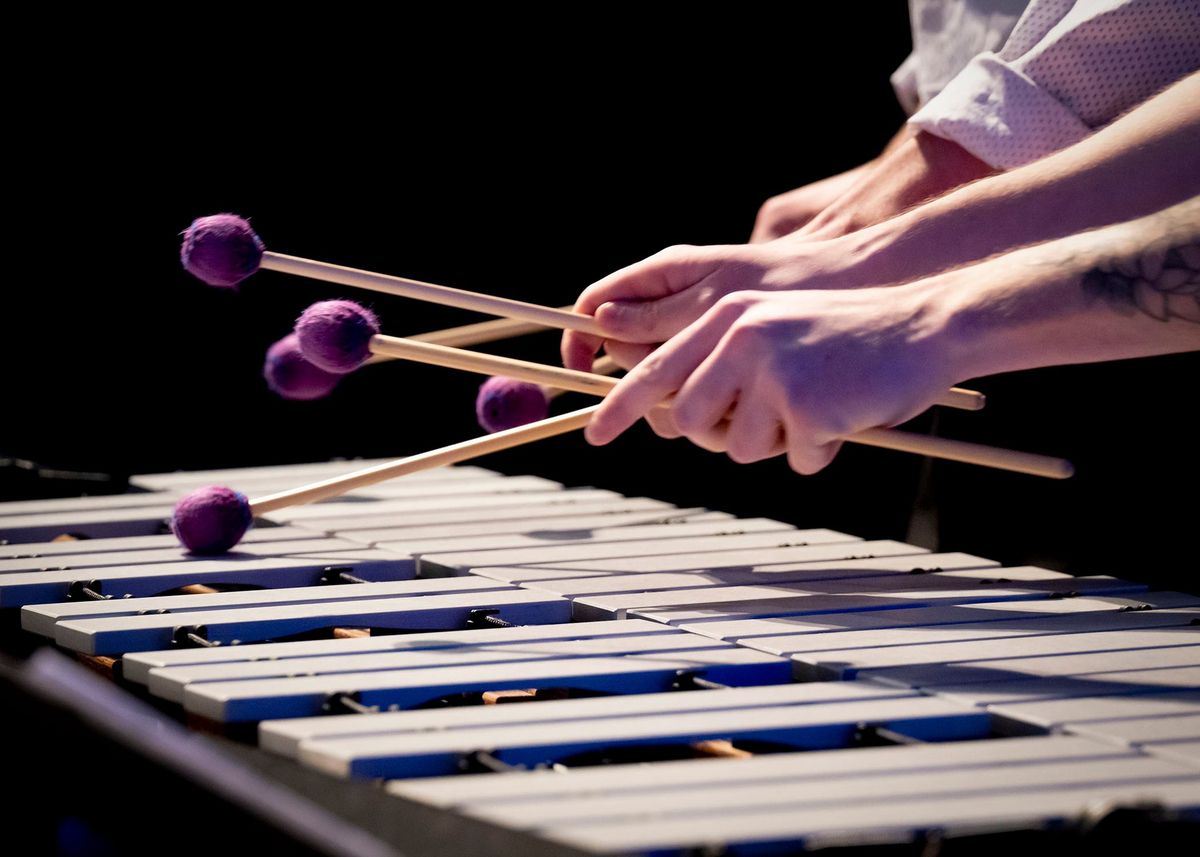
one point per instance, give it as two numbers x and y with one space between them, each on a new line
222 250
336 335
289 375
211 519
505 403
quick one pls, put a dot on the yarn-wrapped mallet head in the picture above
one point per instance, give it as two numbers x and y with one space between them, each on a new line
221 249
504 403
336 335
289 375
211 520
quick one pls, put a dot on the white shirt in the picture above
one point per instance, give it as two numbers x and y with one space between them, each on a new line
1068 67
946 34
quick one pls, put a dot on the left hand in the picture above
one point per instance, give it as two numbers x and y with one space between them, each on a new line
795 372
917 169
650 301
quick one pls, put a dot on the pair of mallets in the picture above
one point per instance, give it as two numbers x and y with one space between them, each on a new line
339 336
502 402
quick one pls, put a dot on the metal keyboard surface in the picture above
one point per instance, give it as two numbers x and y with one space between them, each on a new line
570 671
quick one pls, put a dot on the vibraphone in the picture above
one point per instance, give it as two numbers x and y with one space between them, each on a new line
690 682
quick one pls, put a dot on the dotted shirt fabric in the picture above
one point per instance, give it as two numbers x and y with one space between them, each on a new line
1068 68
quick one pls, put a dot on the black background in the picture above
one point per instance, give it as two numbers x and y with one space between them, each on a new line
520 156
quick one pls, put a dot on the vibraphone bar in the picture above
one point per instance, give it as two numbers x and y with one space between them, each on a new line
686 680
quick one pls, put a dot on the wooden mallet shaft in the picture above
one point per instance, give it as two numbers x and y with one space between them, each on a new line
512 310
452 454
970 453
466 335
599 385
593 383
431 293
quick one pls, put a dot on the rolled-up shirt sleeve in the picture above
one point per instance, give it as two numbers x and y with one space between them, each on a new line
1068 68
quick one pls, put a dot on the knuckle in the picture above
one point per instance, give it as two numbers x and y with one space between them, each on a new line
807 459
617 411
675 253
801 464
772 208
646 313
631 322
764 220
753 339
740 453
650 365
735 301
797 396
687 418
614 318
708 442
747 333
662 426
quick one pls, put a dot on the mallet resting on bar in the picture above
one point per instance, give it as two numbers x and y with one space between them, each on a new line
222 250
214 519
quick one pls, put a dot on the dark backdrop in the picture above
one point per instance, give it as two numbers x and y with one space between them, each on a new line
492 156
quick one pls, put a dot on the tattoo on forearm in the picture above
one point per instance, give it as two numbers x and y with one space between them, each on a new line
1163 283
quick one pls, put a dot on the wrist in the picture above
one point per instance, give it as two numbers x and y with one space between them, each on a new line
896 251
1099 295
961 334
941 166
1006 314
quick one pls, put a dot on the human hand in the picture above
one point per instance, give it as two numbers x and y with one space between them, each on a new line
783 214
650 301
763 373
916 169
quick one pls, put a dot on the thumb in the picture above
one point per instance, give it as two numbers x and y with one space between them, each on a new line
653 321
665 273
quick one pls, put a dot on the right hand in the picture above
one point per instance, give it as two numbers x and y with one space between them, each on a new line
762 373
647 303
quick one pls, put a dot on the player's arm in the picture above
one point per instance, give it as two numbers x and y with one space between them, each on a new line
784 214
1143 162
1065 70
800 371
920 168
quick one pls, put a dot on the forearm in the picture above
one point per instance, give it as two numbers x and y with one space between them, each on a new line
914 168
803 370
1141 163
1128 290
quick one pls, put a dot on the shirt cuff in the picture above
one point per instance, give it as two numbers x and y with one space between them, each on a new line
999 115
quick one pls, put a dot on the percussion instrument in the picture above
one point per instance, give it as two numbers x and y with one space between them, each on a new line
591 673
